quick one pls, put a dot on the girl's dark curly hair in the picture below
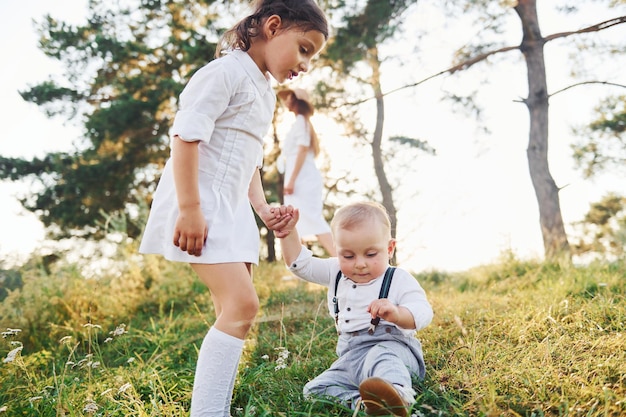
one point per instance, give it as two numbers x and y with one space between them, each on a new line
304 14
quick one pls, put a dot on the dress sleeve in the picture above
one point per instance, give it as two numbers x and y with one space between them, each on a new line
203 100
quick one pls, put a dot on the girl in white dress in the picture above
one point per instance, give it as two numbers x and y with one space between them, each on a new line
202 208
303 181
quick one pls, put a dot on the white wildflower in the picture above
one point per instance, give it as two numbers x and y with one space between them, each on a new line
91 407
3 408
12 354
130 360
11 332
108 339
281 361
119 330
265 357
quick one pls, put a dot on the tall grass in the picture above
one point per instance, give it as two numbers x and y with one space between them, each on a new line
510 339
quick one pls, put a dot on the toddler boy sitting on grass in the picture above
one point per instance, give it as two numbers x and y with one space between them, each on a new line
376 319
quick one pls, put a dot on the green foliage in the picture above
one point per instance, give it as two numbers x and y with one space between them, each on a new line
602 144
123 70
414 143
364 28
602 232
517 338
10 280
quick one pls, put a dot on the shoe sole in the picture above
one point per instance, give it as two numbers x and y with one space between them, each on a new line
381 398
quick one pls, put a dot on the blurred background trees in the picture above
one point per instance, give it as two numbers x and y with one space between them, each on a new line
125 66
124 69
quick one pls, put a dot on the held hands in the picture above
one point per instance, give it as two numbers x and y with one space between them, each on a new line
279 219
291 224
190 231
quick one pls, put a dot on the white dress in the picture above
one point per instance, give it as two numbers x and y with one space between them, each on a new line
307 195
227 106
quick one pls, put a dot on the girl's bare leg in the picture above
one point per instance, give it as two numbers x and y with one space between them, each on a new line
236 306
233 294
216 303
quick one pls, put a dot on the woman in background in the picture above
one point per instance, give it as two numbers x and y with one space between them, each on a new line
303 181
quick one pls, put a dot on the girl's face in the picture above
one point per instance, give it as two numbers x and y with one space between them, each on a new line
288 52
364 252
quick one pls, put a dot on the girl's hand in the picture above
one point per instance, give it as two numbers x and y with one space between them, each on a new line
191 231
276 218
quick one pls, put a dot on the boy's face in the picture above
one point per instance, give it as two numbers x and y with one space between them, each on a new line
364 251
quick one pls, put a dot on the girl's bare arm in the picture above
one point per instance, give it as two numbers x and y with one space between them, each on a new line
275 218
191 229
300 158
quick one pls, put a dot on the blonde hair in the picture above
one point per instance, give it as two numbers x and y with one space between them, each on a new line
356 214
303 14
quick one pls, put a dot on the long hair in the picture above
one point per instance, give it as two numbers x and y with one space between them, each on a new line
303 14
305 109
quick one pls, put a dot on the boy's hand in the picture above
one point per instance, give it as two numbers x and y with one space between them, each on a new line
386 310
290 226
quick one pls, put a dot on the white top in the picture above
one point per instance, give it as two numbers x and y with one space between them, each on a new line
354 298
228 106
307 196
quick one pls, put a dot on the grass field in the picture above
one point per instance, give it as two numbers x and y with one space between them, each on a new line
510 339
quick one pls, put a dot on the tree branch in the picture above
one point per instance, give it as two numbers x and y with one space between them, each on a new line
451 70
593 28
586 82
481 57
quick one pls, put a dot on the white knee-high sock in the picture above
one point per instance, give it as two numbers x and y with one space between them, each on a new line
218 360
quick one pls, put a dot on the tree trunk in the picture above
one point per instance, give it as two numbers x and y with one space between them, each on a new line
270 241
556 246
379 163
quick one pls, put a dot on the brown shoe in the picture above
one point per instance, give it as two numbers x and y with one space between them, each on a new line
382 399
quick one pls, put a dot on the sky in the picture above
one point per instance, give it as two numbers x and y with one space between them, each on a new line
474 201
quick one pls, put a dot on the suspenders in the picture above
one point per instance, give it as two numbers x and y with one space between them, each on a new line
384 291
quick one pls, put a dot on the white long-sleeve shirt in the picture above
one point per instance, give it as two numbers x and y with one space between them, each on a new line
354 298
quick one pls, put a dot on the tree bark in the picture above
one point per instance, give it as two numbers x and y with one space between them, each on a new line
379 163
556 246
